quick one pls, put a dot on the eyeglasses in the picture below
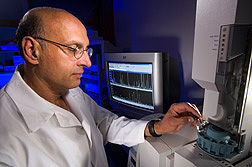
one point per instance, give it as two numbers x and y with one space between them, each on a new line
78 53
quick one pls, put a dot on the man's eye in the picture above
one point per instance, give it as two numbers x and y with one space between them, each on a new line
73 48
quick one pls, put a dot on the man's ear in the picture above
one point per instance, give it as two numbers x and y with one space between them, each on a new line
30 49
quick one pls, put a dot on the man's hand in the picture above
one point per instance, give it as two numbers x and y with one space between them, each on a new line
177 116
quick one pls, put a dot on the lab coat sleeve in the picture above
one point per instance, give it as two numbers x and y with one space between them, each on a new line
114 129
6 161
126 131
3 165
121 130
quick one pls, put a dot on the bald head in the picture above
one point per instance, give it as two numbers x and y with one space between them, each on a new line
40 21
48 40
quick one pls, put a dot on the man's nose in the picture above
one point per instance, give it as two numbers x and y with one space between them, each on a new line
85 60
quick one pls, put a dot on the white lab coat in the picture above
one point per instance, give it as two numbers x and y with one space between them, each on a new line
35 132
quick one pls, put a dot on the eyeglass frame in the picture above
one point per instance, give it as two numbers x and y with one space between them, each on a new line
88 50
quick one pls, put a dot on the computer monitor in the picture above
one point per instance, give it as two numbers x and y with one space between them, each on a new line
140 84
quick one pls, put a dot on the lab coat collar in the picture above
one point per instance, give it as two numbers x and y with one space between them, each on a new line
35 110
73 98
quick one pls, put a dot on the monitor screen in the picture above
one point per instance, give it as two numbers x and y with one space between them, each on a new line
131 83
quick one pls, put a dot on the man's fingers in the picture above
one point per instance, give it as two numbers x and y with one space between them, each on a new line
192 125
182 120
194 107
178 108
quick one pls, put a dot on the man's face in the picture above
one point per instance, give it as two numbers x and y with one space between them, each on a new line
58 68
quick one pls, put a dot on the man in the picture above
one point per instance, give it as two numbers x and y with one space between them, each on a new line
46 119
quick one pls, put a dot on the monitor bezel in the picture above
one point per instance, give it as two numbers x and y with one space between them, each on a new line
156 59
